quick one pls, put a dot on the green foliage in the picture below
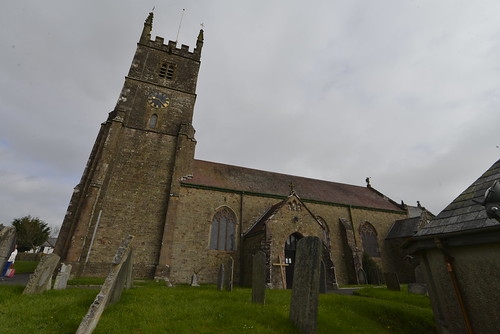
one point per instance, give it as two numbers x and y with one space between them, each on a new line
31 232
155 308
23 267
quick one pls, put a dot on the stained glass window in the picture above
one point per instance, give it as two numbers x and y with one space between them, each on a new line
222 236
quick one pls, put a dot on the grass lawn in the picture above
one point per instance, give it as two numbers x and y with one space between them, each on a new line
154 308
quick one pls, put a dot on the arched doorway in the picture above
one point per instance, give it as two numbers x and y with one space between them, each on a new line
290 250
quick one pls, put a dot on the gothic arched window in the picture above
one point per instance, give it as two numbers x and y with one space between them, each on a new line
369 239
222 235
153 120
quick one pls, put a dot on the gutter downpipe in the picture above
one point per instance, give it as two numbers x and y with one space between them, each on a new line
448 260
240 246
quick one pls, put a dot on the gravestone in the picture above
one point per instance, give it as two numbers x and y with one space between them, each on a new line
119 277
230 275
419 274
305 292
373 277
7 244
220 278
362 277
259 278
322 278
194 280
62 277
41 279
417 288
392 281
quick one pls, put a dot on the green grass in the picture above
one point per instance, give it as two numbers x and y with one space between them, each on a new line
155 308
397 296
56 311
23 267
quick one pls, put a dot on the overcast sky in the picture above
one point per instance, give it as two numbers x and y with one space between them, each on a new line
406 92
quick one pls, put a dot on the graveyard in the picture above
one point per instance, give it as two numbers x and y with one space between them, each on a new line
151 307
158 306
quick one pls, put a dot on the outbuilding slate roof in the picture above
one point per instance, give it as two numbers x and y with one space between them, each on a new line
222 176
464 214
403 228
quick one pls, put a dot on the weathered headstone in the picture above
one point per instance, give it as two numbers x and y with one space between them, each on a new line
373 276
230 275
362 277
419 274
194 280
322 278
392 281
259 278
220 278
417 288
41 279
119 277
7 244
62 277
305 292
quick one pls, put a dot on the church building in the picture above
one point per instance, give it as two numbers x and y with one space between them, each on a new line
189 216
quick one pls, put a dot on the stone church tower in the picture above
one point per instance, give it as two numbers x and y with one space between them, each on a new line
141 152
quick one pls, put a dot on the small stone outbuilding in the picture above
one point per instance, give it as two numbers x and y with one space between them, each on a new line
459 252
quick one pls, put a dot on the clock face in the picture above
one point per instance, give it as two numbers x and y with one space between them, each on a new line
158 100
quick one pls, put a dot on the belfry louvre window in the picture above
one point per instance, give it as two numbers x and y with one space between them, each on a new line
167 70
222 236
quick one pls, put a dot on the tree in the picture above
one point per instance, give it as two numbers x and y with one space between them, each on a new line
31 232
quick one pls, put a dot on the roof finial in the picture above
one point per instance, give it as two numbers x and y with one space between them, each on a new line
368 182
178 30
292 188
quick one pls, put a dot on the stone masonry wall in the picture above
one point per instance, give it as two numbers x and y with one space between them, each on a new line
196 210
135 201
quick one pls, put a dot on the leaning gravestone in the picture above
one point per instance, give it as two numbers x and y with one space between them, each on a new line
259 278
119 277
220 278
62 277
7 244
41 279
230 275
392 281
305 292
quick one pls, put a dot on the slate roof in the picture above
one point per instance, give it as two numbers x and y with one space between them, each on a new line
258 225
403 228
216 175
51 242
463 214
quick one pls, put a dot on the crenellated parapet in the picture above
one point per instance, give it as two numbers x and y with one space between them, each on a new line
171 46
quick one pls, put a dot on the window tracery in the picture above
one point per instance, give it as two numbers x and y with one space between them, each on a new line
369 240
222 235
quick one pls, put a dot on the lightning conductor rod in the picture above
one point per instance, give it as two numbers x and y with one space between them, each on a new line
180 23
